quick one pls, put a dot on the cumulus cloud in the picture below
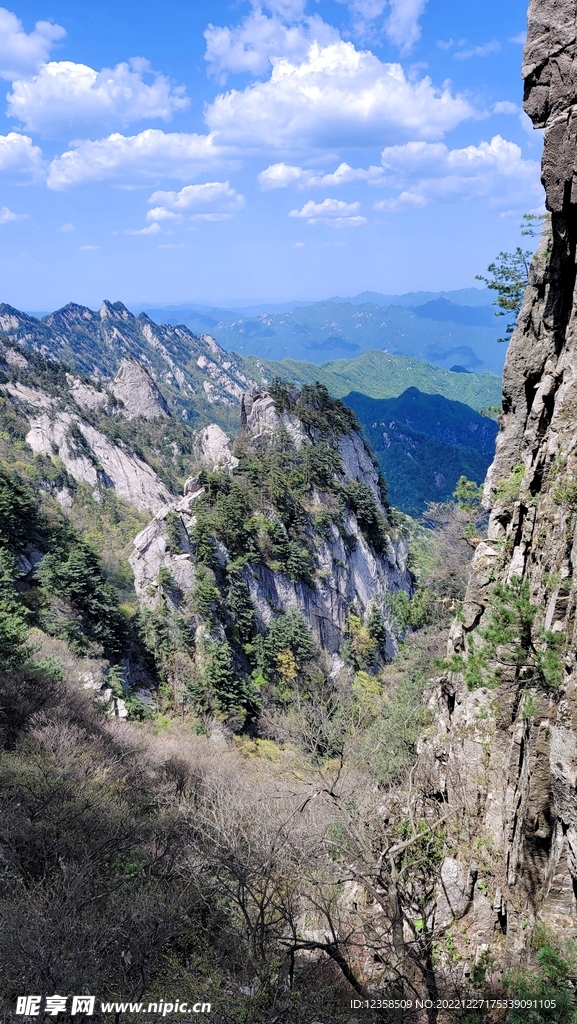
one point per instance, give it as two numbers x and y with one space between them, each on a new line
254 44
6 215
282 175
20 157
337 96
145 156
334 212
211 201
430 172
65 97
22 52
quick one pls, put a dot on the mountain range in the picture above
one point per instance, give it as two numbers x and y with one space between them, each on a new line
435 423
426 325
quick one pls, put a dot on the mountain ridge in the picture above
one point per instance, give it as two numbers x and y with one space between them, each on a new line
440 331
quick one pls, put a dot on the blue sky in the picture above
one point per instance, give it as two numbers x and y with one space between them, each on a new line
183 151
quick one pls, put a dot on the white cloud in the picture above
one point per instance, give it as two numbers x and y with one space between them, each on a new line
402 25
159 213
479 51
19 156
148 155
430 172
337 96
67 227
6 215
87 248
520 38
152 229
258 40
282 175
210 201
505 107
172 245
65 97
333 212
20 52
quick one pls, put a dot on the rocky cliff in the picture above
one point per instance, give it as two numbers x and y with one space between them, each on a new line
295 514
57 426
505 751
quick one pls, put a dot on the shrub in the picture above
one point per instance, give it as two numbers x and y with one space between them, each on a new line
74 574
360 648
546 983
511 641
371 520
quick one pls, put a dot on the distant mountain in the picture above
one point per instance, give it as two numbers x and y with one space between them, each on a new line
381 375
462 296
424 443
439 331
443 310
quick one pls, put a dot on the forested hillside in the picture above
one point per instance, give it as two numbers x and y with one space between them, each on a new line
424 444
381 375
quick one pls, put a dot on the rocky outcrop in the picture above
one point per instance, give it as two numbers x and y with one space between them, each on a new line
214 449
139 395
86 396
350 575
86 453
509 755
90 457
259 416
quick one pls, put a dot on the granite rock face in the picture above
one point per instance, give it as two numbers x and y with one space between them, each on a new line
349 576
139 395
88 455
509 755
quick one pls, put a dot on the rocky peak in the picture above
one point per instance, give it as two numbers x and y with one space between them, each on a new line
135 388
345 565
216 450
114 311
71 314
259 416
13 320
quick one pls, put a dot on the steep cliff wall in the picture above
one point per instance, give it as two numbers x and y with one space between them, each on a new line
316 554
506 751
